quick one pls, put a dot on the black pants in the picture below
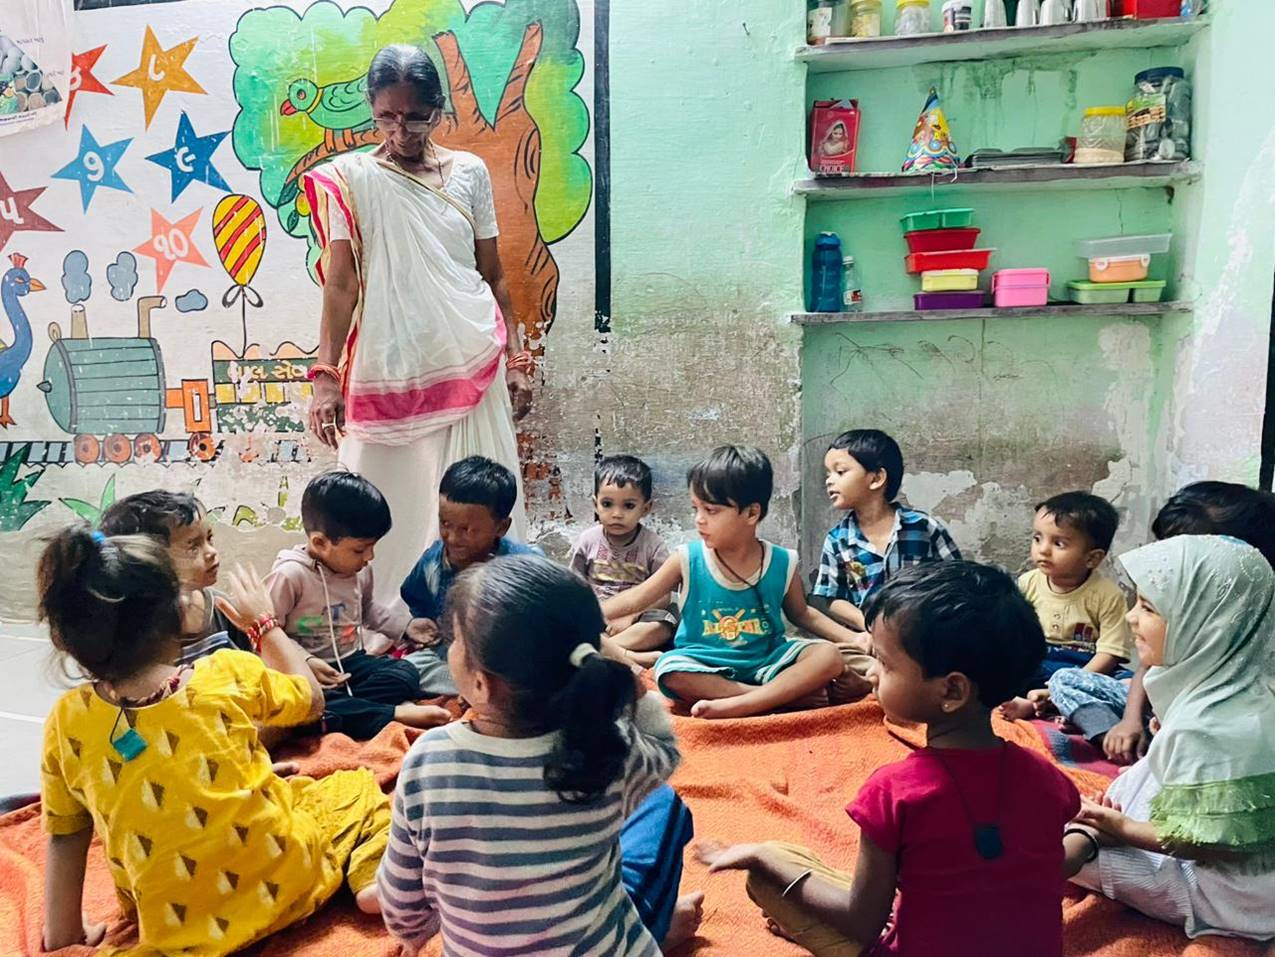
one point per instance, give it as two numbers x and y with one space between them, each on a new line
376 686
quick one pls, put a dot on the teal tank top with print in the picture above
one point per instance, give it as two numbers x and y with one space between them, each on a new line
718 614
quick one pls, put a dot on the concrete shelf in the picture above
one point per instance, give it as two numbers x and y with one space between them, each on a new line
884 52
1059 311
1063 176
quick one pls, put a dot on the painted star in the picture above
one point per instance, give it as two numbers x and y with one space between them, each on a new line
95 166
83 80
190 158
170 244
16 214
160 72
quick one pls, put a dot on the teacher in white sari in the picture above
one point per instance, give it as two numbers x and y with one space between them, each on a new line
420 360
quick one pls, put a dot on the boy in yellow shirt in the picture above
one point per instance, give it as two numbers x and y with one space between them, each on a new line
1081 611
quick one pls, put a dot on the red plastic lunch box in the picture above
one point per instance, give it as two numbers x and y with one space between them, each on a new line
951 259
941 240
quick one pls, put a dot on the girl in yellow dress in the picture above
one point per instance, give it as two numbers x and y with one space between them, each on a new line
209 849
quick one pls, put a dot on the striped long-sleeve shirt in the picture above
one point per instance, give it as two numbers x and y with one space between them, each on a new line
483 850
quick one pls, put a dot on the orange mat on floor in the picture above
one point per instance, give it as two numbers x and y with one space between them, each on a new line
785 777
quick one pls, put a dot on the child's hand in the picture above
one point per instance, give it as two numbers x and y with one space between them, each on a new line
423 633
1103 815
617 625
247 598
325 674
721 857
1041 700
1125 743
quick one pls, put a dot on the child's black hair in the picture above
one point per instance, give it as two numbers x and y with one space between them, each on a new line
734 475
521 617
622 470
480 481
110 603
157 513
343 504
967 617
1091 515
1220 508
876 452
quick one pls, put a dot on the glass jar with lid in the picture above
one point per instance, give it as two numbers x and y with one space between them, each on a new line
912 17
1102 136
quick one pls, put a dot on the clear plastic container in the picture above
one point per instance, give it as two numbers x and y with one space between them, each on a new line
865 19
1158 117
1102 136
1117 247
912 17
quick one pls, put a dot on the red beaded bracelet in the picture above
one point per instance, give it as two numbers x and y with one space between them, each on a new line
322 368
259 628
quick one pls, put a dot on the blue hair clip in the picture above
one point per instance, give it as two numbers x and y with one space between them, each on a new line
98 537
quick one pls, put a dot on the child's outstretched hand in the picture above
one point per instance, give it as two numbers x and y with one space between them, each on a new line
723 857
325 674
1103 815
247 598
423 633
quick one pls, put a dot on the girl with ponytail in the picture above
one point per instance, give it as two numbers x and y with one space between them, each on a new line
543 823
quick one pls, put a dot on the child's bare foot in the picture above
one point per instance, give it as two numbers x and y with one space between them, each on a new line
688 912
775 929
816 699
368 900
422 715
1018 709
285 769
851 686
736 706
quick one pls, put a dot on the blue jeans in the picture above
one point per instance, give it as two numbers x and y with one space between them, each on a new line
652 842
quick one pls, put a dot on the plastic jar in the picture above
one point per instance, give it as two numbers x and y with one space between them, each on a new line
912 17
1158 118
958 15
865 18
1102 136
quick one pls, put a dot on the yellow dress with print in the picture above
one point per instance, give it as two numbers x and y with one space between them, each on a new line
209 849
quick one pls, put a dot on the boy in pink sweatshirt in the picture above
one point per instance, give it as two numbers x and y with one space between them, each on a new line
322 594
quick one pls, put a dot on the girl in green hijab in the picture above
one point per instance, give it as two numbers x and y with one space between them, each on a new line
1187 834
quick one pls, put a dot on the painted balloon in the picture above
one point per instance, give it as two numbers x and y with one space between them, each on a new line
239 233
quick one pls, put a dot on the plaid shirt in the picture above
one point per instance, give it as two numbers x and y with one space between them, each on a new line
851 570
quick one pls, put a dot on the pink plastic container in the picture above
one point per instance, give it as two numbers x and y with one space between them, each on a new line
1020 287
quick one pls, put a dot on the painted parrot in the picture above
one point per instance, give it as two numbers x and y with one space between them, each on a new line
337 106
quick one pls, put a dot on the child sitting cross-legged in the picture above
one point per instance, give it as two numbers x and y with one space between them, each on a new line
180 522
731 657
1081 610
620 552
542 824
209 850
322 594
475 499
967 831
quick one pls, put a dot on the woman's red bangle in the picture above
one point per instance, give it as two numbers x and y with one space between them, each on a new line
322 368
259 628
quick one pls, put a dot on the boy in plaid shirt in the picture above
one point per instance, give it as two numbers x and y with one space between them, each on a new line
878 536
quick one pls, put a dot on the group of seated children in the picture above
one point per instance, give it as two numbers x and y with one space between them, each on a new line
543 823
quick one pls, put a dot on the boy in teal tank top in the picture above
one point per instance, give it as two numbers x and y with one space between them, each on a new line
730 656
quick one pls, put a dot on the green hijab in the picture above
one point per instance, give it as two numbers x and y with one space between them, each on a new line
1214 694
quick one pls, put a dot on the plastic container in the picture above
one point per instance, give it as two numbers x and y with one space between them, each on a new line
1117 246
852 291
825 274
925 301
865 19
949 280
1147 9
912 17
1110 293
952 259
1120 269
958 15
941 240
1102 136
1020 287
937 219
1158 117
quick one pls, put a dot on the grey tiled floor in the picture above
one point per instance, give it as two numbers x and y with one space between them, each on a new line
29 684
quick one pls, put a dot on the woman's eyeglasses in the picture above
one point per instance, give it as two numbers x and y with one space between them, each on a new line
388 124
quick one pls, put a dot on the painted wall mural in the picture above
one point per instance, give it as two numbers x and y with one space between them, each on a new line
166 207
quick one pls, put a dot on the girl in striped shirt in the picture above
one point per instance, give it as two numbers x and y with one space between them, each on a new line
542 825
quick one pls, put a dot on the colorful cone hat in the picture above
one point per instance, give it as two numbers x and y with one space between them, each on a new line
931 150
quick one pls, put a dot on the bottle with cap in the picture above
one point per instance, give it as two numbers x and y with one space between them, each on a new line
852 297
825 274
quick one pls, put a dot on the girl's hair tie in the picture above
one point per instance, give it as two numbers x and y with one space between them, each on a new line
580 653
98 537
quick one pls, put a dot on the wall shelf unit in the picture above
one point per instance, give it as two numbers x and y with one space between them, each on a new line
1059 311
881 53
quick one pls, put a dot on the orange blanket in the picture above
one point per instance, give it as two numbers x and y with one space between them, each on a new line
785 777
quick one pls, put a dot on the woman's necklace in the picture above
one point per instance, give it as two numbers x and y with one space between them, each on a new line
423 169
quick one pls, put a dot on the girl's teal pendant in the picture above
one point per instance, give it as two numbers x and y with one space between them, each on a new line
129 744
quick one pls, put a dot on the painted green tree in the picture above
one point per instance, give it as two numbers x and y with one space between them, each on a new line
16 509
510 72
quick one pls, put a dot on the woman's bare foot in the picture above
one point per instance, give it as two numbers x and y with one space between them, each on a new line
688 912
736 706
422 715
1018 709
368 900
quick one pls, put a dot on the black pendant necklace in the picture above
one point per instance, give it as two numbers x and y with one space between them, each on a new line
987 836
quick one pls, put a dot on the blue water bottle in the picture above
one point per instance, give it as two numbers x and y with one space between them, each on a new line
825 274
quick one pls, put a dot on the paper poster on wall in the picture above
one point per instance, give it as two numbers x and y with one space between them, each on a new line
35 60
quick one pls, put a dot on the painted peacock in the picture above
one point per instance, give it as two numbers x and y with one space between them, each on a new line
337 106
17 282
